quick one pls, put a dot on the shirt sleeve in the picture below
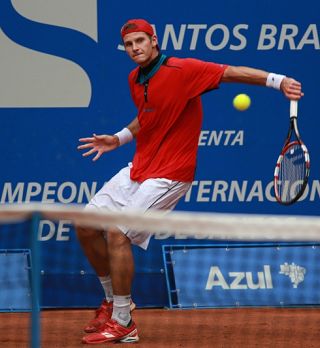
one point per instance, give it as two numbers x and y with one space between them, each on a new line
201 76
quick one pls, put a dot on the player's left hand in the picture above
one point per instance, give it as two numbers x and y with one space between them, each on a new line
99 144
291 88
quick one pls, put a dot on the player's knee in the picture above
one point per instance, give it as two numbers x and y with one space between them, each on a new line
116 239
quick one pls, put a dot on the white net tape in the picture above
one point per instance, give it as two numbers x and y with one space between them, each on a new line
219 226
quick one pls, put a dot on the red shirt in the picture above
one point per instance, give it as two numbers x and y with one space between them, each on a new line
171 118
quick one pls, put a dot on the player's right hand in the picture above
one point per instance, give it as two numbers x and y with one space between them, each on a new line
291 88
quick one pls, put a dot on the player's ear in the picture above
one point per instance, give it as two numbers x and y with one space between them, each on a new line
154 41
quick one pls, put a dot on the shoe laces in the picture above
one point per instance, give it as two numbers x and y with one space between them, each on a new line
113 326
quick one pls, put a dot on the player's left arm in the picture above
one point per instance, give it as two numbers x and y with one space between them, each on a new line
290 87
101 144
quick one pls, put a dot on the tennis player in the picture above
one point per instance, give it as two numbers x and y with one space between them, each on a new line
166 92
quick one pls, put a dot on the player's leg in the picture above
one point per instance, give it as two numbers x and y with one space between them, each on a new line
121 271
121 261
121 264
95 248
112 196
155 193
120 328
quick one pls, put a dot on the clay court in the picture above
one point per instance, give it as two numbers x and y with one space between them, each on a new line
219 328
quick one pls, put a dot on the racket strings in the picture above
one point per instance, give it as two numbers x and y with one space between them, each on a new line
292 173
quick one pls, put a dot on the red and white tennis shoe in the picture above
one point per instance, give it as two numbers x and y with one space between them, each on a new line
102 315
113 332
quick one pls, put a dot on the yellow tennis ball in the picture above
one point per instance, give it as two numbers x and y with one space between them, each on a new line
241 102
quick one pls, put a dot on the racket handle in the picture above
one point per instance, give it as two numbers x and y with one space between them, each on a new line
293 108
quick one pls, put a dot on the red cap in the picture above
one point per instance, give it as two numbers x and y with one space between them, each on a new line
136 25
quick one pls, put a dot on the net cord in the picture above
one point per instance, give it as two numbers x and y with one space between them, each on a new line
218 226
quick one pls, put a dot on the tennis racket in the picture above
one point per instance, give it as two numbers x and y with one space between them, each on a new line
293 166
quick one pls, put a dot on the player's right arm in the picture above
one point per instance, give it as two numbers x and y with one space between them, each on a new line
100 144
243 74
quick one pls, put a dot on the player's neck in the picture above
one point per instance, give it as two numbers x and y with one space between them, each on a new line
146 69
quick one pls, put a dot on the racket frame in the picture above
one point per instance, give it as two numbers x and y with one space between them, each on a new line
292 128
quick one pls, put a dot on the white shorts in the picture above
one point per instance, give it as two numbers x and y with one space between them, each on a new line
121 193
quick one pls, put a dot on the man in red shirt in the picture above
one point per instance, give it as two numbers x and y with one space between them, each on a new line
166 92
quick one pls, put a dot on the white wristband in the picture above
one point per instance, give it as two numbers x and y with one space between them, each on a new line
274 80
125 136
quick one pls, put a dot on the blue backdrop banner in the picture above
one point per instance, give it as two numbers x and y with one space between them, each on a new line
64 75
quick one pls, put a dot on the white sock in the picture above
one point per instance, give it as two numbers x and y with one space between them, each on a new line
107 287
121 309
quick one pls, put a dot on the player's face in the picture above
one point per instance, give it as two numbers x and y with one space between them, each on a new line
140 47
